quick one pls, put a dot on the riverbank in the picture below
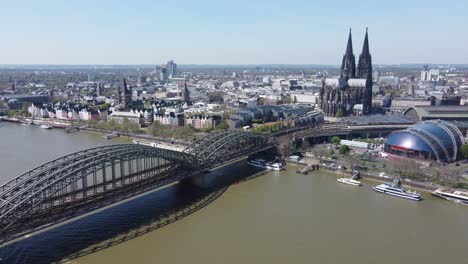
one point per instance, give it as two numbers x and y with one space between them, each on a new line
104 132
183 143
423 186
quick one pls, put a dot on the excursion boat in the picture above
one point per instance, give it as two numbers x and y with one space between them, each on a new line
261 163
46 126
349 181
274 166
396 189
456 196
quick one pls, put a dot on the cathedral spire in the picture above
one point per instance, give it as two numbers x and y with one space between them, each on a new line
365 47
349 47
364 71
127 95
348 66
125 84
119 94
186 94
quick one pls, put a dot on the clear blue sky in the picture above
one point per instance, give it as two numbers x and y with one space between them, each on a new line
230 32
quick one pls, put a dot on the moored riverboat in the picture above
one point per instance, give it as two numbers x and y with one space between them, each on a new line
349 181
261 163
395 189
456 196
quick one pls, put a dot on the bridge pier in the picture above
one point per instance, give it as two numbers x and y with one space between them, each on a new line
203 180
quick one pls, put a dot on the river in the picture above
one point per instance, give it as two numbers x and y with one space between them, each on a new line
273 217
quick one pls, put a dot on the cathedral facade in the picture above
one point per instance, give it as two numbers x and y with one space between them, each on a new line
351 93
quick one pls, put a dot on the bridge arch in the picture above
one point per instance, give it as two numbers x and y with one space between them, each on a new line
84 177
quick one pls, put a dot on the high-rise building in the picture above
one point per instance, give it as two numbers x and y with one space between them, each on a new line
171 68
174 72
90 77
141 79
424 75
157 70
411 90
163 74
98 89
12 84
340 97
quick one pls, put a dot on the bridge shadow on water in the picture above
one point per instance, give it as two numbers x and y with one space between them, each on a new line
124 221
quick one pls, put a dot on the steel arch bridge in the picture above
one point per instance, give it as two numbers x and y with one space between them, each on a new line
87 180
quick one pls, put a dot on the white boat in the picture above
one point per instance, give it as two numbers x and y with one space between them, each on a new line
46 126
349 181
261 163
396 189
275 166
456 196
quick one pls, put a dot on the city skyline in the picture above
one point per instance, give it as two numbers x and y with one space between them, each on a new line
244 33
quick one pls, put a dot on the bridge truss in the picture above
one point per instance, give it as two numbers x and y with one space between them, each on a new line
90 179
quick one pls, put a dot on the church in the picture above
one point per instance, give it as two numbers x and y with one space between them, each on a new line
351 93
124 98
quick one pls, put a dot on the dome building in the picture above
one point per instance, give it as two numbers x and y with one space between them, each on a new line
432 140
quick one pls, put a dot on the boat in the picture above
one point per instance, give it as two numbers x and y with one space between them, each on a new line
112 135
44 126
275 166
261 163
394 188
349 181
456 196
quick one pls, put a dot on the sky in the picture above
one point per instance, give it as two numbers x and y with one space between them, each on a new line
231 31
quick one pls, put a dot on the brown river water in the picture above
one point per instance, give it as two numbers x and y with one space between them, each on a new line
271 217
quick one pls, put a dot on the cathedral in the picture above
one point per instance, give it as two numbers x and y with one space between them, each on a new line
351 93
124 98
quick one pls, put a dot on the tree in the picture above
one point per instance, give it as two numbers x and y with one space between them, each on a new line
335 140
261 101
10 113
104 106
287 100
339 113
222 125
24 109
464 150
127 125
155 128
350 161
113 125
319 151
344 149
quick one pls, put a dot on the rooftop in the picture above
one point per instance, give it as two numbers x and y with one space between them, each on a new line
439 111
377 120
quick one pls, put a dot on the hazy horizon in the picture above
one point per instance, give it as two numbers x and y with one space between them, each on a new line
208 32
235 65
